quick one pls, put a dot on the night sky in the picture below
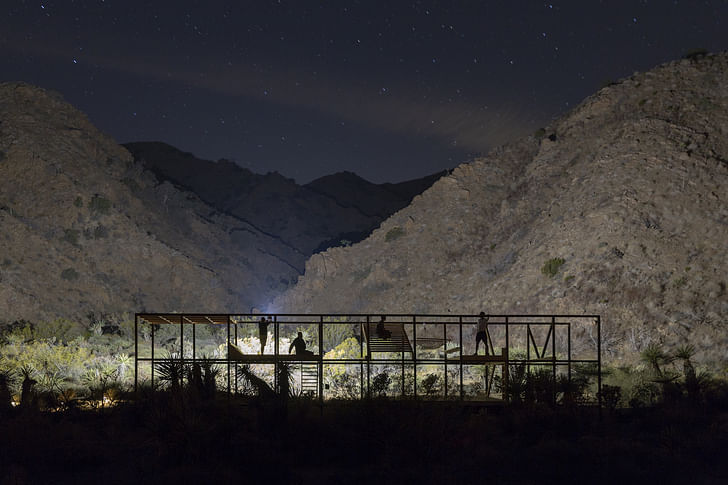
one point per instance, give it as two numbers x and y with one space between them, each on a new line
390 90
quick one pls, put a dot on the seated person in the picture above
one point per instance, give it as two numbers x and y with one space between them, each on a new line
381 331
300 345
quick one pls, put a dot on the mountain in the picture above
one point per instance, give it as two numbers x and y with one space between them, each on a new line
619 208
87 230
307 218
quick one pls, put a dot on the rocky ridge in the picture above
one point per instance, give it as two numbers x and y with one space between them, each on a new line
86 230
306 218
628 189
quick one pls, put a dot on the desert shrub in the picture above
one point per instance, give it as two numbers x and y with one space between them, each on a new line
344 386
696 54
99 204
78 201
540 133
610 395
361 274
100 232
336 334
2 155
430 384
71 236
394 233
551 267
380 384
131 183
69 274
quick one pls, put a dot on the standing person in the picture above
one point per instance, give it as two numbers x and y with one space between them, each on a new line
482 333
263 333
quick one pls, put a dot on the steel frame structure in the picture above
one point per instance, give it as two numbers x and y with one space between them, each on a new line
540 351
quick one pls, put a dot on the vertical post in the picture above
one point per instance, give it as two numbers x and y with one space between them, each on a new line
321 360
194 344
236 364
361 360
599 363
505 366
444 348
276 334
152 356
403 337
136 353
414 355
568 349
553 357
369 359
181 339
228 355
462 389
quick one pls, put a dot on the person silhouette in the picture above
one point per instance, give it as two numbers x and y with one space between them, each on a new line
382 332
263 333
482 334
300 346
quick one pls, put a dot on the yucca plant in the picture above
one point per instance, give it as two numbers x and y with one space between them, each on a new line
261 387
655 356
172 372
692 383
27 393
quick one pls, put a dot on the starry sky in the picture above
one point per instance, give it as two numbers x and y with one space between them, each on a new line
391 90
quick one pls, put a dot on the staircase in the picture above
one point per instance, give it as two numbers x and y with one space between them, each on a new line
309 379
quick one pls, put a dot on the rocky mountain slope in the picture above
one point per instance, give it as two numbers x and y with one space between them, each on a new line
307 218
629 190
85 229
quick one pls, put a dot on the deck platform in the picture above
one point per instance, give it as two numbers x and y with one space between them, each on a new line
439 347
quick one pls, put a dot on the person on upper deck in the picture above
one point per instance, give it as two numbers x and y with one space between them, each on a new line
482 334
300 346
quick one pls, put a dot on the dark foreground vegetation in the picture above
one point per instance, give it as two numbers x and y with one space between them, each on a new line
67 415
184 436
